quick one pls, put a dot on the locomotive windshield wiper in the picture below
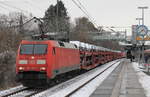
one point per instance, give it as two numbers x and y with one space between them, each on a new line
33 49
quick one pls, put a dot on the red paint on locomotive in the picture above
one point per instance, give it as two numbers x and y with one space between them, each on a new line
49 57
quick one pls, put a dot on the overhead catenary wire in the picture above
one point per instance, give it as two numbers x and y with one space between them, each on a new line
13 7
31 4
80 6
4 8
1 2
84 11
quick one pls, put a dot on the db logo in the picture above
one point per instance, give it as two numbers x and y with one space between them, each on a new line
32 62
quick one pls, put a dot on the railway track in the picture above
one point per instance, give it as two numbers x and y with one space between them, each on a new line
14 90
21 92
69 88
26 93
75 92
79 84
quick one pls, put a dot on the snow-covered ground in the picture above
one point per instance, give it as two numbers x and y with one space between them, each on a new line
9 91
144 79
87 90
67 87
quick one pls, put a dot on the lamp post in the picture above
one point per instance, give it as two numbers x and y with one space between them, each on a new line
145 7
139 19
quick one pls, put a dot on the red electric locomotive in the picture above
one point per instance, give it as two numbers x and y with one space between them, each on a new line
43 60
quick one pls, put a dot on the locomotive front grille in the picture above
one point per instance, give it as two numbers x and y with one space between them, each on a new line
32 75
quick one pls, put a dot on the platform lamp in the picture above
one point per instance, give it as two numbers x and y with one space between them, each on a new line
144 7
139 20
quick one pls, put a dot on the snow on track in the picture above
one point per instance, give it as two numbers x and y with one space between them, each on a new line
87 90
67 87
11 90
23 93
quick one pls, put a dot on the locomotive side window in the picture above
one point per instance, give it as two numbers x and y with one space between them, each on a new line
33 49
53 51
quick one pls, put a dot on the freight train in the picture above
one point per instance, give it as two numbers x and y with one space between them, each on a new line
42 61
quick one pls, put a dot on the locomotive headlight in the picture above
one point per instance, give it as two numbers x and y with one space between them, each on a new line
41 61
43 68
23 62
21 68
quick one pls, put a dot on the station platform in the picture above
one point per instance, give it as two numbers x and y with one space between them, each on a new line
122 82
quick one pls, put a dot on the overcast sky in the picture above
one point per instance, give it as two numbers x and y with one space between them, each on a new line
105 12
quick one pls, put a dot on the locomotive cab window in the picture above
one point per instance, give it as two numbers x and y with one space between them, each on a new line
26 49
53 51
40 49
33 49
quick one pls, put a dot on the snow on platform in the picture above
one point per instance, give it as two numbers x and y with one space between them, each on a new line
144 79
123 82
